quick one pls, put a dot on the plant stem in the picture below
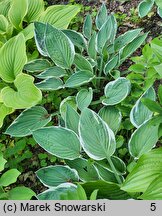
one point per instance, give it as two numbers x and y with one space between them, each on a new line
114 170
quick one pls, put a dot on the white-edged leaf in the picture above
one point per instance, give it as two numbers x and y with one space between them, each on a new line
87 27
29 120
54 140
143 139
37 65
116 91
97 139
53 176
111 64
144 7
52 72
140 113
59 47
112 116
70 100
79 78
82 63
50 84
101 16
84 98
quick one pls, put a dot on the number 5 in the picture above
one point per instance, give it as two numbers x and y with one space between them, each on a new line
153 207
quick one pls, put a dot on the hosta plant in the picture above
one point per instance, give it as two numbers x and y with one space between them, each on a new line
145 7
18 16
103 132
8 178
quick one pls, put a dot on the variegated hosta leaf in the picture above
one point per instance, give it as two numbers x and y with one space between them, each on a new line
4 111
106 34
29 120
59 47
144 7
140 113
26 94
70 100
52 72
101 16
16 13
35 8
13 58
50 84
37 65
52 176
59 15
84 98
72 119
58 141
97 139
79 78
112 116
87 27
82 63
116 91
144 138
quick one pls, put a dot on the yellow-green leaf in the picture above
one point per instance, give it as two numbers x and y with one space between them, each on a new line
3 24
17 12
59 15
35 8
13 58
4 111
26 94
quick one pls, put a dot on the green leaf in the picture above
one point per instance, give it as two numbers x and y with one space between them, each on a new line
112 116
126 38
3 24
37 65
79 78
116 91
82 63
50 84
17 14
132 46
21 193
91 46
52 176
63 106
84 98
26 94
143 139
13 58
2 162
160 94
4 7
105 174
9 177
40 34
158 69
4 111
28 32
56 192
97 139
140 113
137 68
86 169
148 168
106 190
76 38
152 105
87 27
101 16
35 8
94 195
144 7
29 120
72 119
118 164
59 47
111 64
52 72
106 34
59 15
154 190
54 140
